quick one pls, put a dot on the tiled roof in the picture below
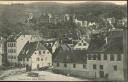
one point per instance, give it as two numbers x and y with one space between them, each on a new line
40 46
96 44
74 56
49 47
30 48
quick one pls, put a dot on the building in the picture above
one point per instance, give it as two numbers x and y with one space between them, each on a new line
92 65
44 18
0 59
79 45
36 37
78 22
53 18
107 65
2 50
15 43
70 62
34 56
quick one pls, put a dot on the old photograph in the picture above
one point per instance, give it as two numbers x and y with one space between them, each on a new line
63 41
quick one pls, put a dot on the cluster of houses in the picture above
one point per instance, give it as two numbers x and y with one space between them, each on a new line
50 18
72 58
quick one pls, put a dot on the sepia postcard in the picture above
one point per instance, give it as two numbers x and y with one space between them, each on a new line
63 41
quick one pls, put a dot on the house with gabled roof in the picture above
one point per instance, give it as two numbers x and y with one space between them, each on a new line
106 65
71 62
34 56
79 45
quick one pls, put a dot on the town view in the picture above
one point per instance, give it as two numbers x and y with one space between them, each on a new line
52 41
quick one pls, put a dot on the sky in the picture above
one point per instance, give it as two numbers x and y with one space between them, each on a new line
66 2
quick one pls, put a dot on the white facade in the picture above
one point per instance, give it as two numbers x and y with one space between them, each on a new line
81 45
45 59
113 69
38 59
14 48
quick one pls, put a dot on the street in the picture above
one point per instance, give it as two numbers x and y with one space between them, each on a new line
20 74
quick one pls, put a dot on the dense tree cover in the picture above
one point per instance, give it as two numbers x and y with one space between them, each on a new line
13 17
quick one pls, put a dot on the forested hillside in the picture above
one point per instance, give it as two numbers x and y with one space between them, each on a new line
13 17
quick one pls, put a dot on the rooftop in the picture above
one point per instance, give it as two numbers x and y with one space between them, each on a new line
30 48
74 56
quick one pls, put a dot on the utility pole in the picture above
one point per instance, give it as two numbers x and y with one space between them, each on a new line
125 50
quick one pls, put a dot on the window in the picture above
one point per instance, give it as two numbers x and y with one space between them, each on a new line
94 66
101 66
41 59
11 57
105 57
14 44
38 59
43 52
11 44
74 65
14 57
84 44
89 57
65 65
8 45
11 50
118 57
99 57
111 57
23 59
79 44
48 52
8 50
27 59
39 52
58 64
115 68
14 51
94 57
84 66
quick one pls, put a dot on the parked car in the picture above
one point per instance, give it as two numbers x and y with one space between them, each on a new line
44 68
32 74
